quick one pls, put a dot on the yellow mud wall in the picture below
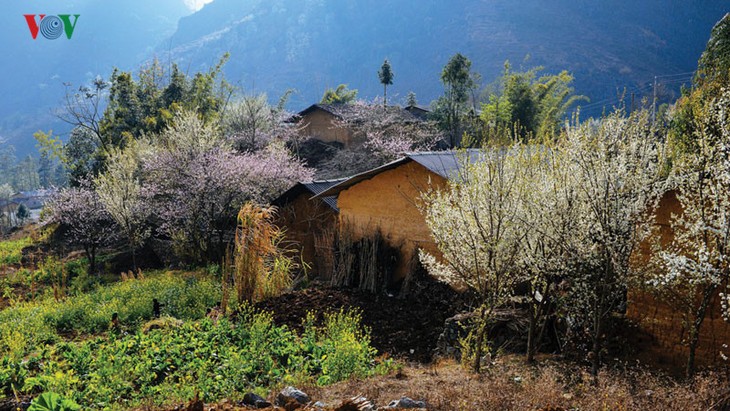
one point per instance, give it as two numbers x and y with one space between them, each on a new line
390 202
664 323
322 126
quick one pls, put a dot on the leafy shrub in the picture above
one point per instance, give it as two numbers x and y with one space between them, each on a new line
340 348
50 401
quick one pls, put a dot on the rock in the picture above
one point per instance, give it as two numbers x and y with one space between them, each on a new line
291 393
255 400
405 402
319 405
358 403
455 328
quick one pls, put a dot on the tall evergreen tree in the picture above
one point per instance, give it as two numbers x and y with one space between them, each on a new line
386 78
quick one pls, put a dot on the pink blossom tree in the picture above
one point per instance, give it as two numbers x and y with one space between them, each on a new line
196 182
83 219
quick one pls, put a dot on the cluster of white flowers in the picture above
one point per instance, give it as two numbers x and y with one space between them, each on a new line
563 218
696 262
725 306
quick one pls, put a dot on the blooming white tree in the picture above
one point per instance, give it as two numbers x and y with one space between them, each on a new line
695 264
120 191
549 213
615 170
478 229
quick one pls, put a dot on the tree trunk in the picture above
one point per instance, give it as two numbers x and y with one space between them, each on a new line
481 331
385 97
596 350
693 339
694 332
92 261
531 337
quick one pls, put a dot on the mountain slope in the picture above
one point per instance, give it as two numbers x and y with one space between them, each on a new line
313 44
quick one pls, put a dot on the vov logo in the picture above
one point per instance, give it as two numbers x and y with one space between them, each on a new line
51 27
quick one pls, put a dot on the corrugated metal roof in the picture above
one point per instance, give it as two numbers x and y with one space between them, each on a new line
447 164
312 188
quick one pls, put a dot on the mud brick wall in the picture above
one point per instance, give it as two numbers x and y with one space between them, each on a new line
389 202
664 323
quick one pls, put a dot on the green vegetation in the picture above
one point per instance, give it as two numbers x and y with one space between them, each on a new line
26 326
50 401
11 251
340 95
169 359
385 75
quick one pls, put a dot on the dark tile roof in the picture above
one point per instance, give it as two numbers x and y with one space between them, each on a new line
311 189
447 164
418 111
351 111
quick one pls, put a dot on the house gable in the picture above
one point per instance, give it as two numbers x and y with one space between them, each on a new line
389 202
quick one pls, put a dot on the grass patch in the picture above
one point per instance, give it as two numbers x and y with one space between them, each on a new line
11 251
32 324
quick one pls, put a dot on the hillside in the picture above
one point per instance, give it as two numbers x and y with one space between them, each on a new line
315 44
311 45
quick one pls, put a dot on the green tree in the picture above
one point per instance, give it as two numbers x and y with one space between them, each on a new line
714 63
22 214
526 106
7 160
340 95
458 80
25 175
695 104
82 153
411 100
385 74
51 152
141 105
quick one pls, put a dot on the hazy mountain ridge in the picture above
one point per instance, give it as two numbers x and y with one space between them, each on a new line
310 45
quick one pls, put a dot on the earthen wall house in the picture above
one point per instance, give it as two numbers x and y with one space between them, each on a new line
388 199
663 324
306 218
329 122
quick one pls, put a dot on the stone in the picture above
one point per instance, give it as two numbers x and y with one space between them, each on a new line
405 402
256 401
291 393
